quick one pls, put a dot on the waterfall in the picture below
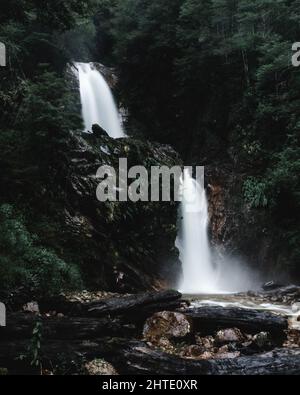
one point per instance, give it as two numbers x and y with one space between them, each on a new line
98 105
198 271
203 273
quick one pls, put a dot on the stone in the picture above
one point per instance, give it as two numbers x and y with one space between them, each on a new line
98 131
271 285
165 345
232 335
31 307
296 307
99 367
206 342
193 351
206 355
166 324
262 340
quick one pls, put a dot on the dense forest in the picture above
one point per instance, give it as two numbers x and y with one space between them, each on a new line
199 82
212 78
215 79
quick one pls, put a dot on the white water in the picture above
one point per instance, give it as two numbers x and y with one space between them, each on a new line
202 273
198 272
98 105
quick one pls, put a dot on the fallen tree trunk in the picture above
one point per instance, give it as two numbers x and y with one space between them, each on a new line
208 319
137 358
145 303
21 325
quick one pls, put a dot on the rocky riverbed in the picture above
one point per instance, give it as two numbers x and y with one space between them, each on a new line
153 333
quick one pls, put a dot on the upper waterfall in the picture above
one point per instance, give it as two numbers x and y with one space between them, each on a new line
98 105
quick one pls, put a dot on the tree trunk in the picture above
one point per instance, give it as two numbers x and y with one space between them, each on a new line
208 319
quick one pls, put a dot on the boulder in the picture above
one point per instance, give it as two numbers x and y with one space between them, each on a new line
166 324
98 131
232 335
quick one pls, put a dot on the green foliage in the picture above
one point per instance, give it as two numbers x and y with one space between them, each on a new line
45 108
281 181
24 262
255 192
34 349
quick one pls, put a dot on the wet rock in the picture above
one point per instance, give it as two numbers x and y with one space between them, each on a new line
271 285
206 355
296 307
262 340
293 339
99 367
165 345
166 324
233 335
205 342
147 263
31 307
98 131
193 351
287 295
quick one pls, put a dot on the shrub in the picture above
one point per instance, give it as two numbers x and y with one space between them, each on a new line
23 262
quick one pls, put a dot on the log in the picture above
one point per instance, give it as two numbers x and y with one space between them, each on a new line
21 325
209 319
137 358
144 304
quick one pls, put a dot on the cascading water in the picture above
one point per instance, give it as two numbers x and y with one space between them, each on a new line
201 273
198 271
98 105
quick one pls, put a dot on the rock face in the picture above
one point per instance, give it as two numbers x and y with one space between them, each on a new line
236 227
120 246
